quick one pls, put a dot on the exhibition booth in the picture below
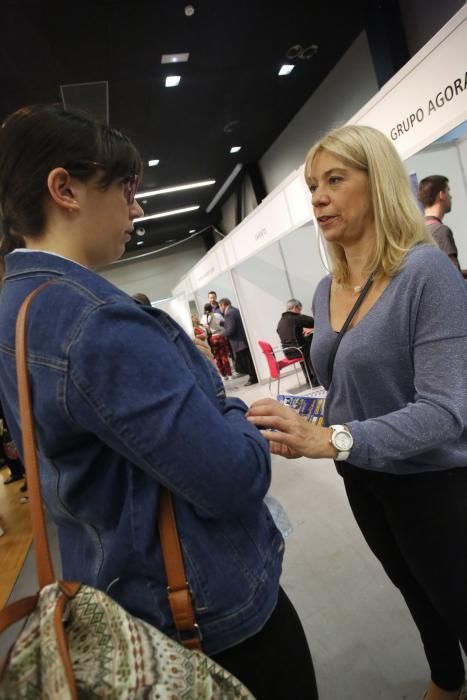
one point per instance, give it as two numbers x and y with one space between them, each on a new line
276 252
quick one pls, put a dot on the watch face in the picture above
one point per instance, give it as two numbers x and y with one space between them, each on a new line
343 441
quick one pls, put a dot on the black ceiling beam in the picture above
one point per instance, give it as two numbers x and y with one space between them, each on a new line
386 39
257 181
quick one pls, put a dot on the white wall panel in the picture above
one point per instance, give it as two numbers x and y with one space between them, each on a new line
262 287
303 263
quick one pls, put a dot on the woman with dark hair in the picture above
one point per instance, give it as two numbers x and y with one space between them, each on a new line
121 400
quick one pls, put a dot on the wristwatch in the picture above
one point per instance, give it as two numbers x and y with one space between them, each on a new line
341 438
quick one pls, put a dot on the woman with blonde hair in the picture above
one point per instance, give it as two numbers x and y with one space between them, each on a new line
390 346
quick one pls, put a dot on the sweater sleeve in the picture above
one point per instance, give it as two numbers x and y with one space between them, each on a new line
437 308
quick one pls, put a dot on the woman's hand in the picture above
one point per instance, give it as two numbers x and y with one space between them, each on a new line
291 436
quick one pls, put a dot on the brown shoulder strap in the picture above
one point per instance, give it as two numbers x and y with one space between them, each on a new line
44 565
180 596
179 591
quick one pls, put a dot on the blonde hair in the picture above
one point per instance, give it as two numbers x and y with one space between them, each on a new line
398 222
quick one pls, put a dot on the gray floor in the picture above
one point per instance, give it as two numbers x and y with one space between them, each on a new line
363 641
364 644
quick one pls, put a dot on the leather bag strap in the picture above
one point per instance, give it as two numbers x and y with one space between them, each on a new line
45 572
179 591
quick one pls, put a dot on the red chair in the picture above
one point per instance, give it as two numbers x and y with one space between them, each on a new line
275 365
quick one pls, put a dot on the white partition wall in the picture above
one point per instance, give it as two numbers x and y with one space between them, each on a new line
262 288
178 308
303 262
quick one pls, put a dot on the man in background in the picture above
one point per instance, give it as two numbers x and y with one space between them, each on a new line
212 299
235 332
296 330
435 196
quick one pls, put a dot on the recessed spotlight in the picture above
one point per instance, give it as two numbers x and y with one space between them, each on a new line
172 80
140 231
139 242
175 57
286 69
145 201
155 161
235 149
192 230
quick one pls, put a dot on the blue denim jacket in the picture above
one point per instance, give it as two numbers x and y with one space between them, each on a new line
125 402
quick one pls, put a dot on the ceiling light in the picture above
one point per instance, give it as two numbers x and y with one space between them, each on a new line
167 213
286 69
139 242
172 80
235 149
176 188
153 162
175 57
192 230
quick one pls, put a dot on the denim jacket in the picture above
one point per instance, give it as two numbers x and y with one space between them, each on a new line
124 402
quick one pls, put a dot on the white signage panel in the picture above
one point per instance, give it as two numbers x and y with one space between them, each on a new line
427 97
208 268
262 227
298 199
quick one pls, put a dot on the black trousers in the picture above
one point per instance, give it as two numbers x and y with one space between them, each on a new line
305 346
416 525
244 364
276 663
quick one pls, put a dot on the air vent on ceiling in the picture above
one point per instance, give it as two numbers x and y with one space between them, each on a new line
90 97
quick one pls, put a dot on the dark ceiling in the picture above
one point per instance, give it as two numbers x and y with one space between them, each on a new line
230 92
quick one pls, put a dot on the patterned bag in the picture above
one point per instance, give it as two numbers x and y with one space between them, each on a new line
79 643
100 651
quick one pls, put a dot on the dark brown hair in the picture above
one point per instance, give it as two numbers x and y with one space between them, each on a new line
430 187
35 140
142 298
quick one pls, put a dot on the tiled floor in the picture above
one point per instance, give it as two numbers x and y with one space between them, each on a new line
364 644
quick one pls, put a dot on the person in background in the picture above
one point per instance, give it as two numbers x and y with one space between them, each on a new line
212 300
213 324
125 405
396 407
141 298
435 196
296 330
198 330
235 332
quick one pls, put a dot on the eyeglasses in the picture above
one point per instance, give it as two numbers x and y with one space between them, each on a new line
130 187
130 182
